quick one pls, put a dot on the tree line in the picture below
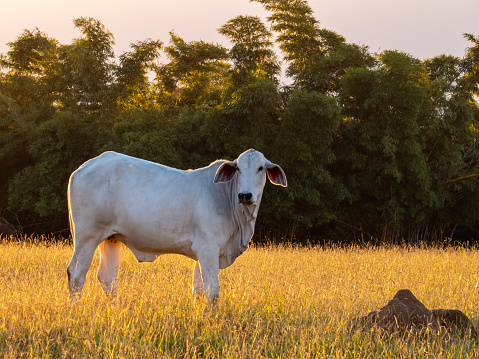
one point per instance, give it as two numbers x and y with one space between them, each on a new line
376 146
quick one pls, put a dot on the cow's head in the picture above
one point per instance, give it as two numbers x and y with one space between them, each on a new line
252 169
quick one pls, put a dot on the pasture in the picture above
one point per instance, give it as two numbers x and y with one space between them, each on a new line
278 302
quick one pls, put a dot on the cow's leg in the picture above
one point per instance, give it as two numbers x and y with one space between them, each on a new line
198 286
107 274
78 268
210 268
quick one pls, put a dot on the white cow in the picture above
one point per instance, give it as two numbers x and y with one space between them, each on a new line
207 214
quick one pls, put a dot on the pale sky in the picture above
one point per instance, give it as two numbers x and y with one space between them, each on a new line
422 28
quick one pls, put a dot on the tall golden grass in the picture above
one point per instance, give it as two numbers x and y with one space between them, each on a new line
278 302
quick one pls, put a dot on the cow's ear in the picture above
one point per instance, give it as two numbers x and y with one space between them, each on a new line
225 172
276 175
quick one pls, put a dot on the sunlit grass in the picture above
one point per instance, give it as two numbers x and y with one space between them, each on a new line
279 302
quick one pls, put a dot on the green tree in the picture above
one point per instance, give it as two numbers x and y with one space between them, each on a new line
31 54
298 33
452 141
247 115
60 145
316 57
150 134
325 72
252 53
87 69
303 148
29 81
249 120
52 97
195 74
27 95
470 65
382 144
133 86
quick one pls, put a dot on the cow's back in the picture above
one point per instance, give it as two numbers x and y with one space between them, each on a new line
115 184
118 176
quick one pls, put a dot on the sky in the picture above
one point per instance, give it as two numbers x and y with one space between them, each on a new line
422 28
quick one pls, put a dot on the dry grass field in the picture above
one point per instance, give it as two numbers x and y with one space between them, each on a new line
276 302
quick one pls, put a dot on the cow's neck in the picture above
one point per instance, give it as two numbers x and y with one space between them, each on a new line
244 219
245 215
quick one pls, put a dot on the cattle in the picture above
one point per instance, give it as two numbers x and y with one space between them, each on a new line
207 214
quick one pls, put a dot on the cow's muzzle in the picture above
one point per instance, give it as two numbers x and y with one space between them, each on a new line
245 198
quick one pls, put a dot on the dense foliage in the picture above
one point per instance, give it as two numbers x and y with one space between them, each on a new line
375 146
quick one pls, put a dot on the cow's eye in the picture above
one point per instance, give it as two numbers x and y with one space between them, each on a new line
260 168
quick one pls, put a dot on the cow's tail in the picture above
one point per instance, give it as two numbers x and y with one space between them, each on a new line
70 217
